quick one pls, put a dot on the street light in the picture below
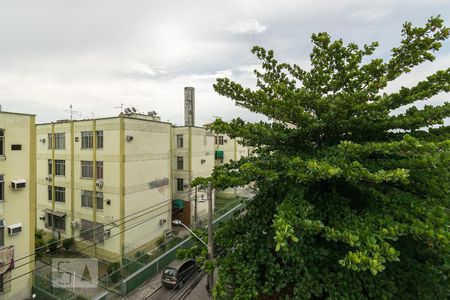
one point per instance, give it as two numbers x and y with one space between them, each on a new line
178 222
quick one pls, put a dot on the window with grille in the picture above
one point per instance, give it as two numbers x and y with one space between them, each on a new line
2 187
60 194
99 170
180 184
87 231
2 142
60 222
180 163
86 199
60 140
179 141
87 140
87 169
99 139
60 167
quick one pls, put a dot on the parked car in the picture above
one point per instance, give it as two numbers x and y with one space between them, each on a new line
176 274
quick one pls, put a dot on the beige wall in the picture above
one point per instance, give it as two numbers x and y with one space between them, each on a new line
18 206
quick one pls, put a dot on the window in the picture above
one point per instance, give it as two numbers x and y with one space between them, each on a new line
99 139
59 222
60 194
87 231
60 140
2 233
2 187
16 147
50 192
180 184
50 170
179 141
99 171
86 140
86 198
179 162
60 167
86 169
99 200
2 142
219 139
50 141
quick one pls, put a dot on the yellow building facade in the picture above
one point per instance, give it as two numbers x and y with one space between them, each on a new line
17 204
104 182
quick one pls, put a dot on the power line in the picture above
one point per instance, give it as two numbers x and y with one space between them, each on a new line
87 230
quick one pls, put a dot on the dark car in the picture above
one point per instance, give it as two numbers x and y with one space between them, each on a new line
178 273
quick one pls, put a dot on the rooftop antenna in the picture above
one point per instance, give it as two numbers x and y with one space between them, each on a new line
121 107
72 112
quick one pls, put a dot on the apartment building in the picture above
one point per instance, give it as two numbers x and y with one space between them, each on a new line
192 157
17 204
227 149
105 182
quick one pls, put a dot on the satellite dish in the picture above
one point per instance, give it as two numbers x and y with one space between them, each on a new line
134 109
127 110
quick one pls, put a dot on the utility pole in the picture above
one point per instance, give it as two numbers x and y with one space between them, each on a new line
195 208
210 237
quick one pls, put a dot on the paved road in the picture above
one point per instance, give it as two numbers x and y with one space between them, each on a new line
164 293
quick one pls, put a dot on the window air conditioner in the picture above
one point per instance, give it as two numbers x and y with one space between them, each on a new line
75 224
162 221
129 138
48 178
107 233
15 229
99 183
203 161
185 185
225 141
18 184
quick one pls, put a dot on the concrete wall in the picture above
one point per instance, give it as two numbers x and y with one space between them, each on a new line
19 205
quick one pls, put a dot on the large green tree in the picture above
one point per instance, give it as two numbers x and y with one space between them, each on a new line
352 200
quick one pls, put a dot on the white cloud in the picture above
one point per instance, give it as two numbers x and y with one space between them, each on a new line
248 26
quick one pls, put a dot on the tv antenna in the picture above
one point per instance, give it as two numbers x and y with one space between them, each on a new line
72 112
121 107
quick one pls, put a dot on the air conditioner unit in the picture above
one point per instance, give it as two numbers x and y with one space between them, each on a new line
162 221
42 217
18 184
48 178
42 141
129 138
203 161
75 224
15 229
225 140
107 233
185 185
99 183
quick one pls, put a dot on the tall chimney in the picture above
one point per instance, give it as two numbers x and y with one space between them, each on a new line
189 106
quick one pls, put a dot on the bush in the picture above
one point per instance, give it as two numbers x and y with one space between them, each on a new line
52 244
39 234
40 247
114 272
142 257
68 243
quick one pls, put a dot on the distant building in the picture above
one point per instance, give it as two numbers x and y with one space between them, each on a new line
17 204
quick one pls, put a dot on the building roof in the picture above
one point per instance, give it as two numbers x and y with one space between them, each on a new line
16 113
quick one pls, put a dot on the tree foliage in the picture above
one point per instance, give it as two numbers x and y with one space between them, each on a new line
353 200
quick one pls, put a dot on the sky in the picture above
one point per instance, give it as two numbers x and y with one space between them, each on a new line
96 55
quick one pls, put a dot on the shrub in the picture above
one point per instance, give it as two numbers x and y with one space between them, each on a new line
40 247
114 272
142 257
52 244
68 243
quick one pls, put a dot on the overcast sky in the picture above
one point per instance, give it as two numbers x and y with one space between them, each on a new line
96 55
